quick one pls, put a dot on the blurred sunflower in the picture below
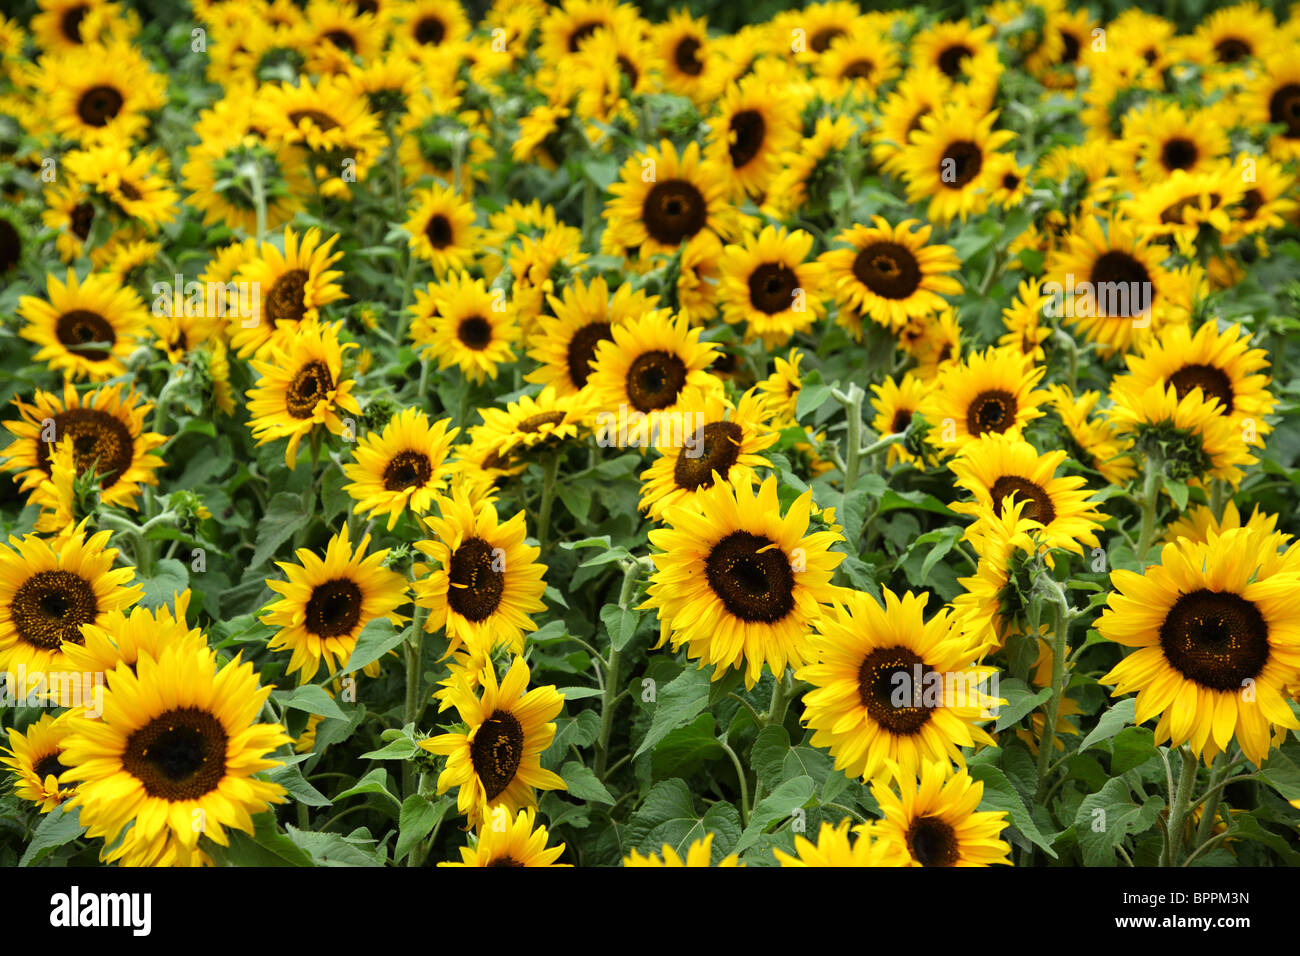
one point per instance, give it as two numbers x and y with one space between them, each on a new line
442 229
948 161
132 183
750 131
835 847
663 198
100 92
895 404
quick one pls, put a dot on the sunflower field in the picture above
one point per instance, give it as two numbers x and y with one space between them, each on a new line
522 434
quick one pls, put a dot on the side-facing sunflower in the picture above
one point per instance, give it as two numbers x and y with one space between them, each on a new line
996 467
769 285
484 582
739 583
326 603
867 706
442 230
134 184
120 638
292 285
933 818
506 842
663 198
895 404
107 431
47 595
495 761
402 467
34 759
698 854
329 119
993 605
992 391
300 387
532 424
1198 521
1217 638
88 328
892 273
175 751
835 847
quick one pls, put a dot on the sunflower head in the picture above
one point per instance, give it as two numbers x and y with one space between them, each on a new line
933 819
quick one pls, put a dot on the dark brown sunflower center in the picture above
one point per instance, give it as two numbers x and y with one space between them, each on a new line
1231 49
674 210
78 328
751 576
430 31
82 215
887 269
534 423
888 687
179 755
1038 503
686 56
628 69
1122 285
654 380
497 749
1010 182
438 231
821 41
70 22
407 469
718 450
1284 107
505 861
582 32
366 6
582 349
474 332
476 580
322 121
11 246
1176 213
961 162
47 766
1251 202
1212 382
747 131
933 842
287 300
311 385
49 608
341 39
1071 52
772 287
98 439
1216 638
99 104
993 410
334 608
1179 153
951 59
858 70
902 419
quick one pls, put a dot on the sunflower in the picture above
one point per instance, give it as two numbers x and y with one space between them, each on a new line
566 27
858 64
1093 443
807 169
934 821
100 92
509 842
996 467
1183 204
935 342
895 404
1236 33
699 273
301 386
753 126
225 198
107 431
662 199
584 315
442 229
834 847
34 759
402 467
121 638
949 162
328 119
643 375
465 326
496 760
1195 439
698 854
1198 521
892 273
1219 363
768 284
922 90
721 442
484 581
738 582
1166 139
65 25
993 391
780 390
994 605
1023 321
428 23
292 287
890 690
46 595
684 50
334 36
1267 203
70 212
175 752
87 328
955 48
57 495
132 184
1213 617
1274 97
533 423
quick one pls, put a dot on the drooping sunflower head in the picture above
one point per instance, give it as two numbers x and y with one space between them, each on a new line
1217 641
33 758
891 690
934 820
87 328
495 762
326 603
402 467
991 392
1093 442
484 581
739 583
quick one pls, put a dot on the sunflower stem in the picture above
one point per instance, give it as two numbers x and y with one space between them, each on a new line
550 465
1060 644
423 387
780 700
631 570
1216 500
852 402
744 784
1179 806
254 172
411 711
1150 502
1211 797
